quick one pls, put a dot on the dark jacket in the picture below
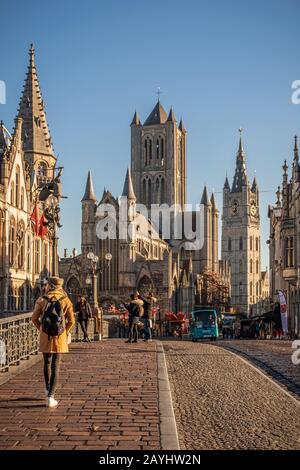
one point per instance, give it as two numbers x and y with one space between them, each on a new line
134 308
84 310
148 305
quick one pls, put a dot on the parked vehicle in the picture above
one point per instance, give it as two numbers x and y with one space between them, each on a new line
204 324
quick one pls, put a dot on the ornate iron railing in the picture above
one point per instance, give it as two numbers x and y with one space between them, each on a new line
19 338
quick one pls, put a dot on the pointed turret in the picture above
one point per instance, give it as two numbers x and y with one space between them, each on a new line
171 117
254 185
5 138
136 120
89 194
296 169
226 184
213 203
205 198
128 187
181 126
157 116
36 136
240 177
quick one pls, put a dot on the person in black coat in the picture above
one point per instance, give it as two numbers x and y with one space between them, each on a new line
84 313
134 308
149 302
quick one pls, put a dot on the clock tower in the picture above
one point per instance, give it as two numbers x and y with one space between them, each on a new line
241 235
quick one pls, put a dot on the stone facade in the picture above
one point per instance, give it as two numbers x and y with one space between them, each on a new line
284 242
241 240
157 175
26 160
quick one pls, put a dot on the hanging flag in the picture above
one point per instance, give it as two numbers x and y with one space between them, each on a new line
43 229
35 219
283 311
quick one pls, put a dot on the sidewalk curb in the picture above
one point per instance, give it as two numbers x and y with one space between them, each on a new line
168 427
261 372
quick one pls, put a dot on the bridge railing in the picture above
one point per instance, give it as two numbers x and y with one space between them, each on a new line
19 338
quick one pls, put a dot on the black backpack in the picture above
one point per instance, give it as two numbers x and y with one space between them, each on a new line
53 321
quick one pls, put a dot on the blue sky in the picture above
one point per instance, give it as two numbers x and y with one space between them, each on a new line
221 65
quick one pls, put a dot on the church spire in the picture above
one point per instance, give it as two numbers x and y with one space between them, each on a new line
36 136
181 126
240 177
89 194
296 169
205 198
136 120
226 184
128 187
171 117
213 203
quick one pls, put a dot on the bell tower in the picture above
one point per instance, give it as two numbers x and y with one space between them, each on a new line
158 158
241 235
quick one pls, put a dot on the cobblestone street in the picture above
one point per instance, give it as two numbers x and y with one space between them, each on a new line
273 357
220 402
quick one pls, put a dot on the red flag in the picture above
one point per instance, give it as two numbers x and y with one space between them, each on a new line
43 229
34 218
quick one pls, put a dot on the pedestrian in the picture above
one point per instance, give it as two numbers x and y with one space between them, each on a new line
84 313
261 330
148 301
257 328
53 316
135 310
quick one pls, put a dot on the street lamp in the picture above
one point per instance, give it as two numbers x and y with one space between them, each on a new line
94 261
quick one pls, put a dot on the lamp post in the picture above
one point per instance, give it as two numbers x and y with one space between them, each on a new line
94 261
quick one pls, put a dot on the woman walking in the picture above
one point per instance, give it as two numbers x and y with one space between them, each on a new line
84 313
53 316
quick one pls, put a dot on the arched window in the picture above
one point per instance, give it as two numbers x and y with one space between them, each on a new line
257 244
162 191
12 193
22 298
157 195
42 169
12 241
241 266
22 198
17 186
257 266
147 151
251 243
37 256
149 191
28 253
229 244
159 150
21 242
251 289
45 256
251 266
241 243
144 195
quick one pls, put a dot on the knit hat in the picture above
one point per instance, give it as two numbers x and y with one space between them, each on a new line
55 282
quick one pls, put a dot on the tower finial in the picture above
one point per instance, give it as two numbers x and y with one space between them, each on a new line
240 142
158 92
296 144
